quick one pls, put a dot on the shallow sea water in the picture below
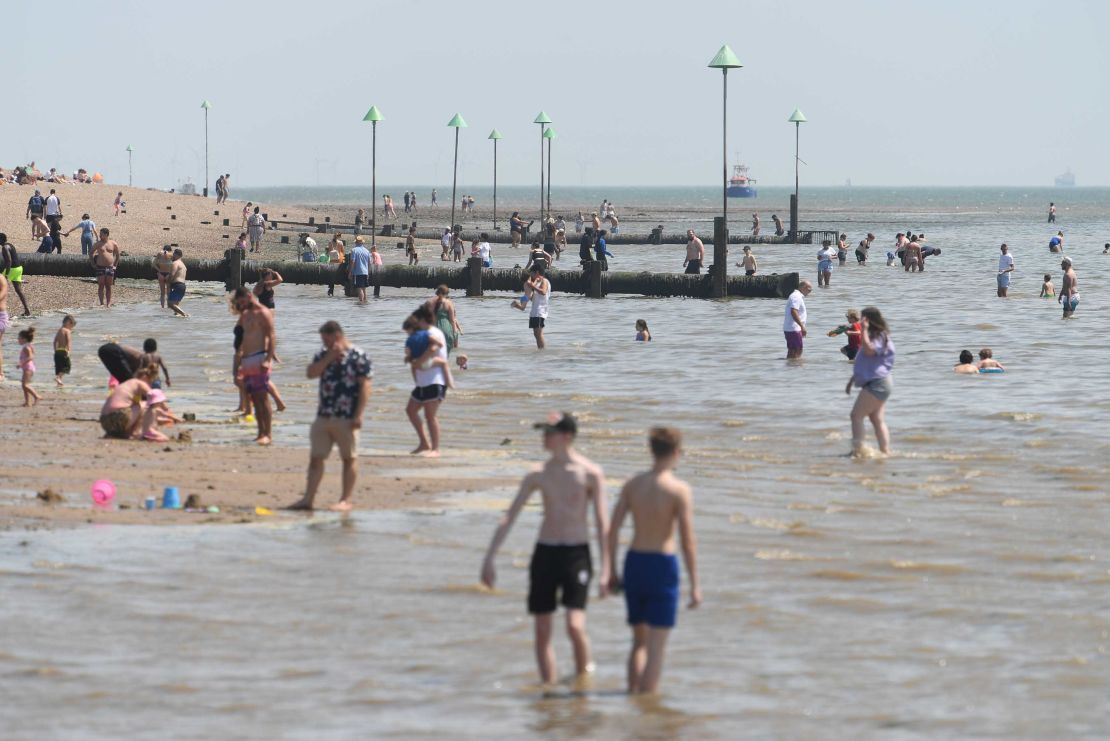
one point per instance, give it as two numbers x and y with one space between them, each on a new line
959 588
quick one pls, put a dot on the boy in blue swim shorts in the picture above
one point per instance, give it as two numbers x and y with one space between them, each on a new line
659 501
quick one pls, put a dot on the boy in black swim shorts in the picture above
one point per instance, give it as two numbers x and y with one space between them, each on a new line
561 568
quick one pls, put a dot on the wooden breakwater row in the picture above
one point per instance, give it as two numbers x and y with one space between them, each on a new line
657 236
472 278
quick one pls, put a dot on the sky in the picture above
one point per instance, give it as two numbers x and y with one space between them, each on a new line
978 92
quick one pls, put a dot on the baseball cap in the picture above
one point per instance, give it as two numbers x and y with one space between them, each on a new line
555 422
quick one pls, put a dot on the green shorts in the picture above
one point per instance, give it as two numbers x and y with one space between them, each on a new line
15 275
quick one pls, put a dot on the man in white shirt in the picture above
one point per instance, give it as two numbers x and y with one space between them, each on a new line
53 208
1005 267
794 323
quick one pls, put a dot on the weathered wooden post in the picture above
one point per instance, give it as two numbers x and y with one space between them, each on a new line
233 261
719 274
593 279
474 276
794 218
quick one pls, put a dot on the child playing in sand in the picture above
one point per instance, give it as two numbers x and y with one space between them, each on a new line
1047 289
986 360
522 302
967 363
157 413
119 204
852 329
27 365
643 334
63 341
420 351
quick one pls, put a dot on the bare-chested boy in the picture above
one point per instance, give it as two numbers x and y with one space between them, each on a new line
104 258
63 343
569 483
254 356
658 501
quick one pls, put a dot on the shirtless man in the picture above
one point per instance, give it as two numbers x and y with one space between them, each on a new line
104 258
254 356
4 319
1069 290
658 501
176 282
569 483
755 225
695 254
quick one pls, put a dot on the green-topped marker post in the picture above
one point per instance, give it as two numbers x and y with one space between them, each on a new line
129 151
543 120
797 118
494 136
373 116
550 136
456 123
724 61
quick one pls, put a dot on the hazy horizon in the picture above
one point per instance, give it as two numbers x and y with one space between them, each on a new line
944 93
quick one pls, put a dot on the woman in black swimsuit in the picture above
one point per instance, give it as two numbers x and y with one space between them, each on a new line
264 288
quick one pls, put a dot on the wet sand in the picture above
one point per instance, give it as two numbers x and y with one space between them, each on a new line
61 448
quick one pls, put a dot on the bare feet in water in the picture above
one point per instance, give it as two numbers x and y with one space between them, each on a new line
419 449
429 454
264 440
342 505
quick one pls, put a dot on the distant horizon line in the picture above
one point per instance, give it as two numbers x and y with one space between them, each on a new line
1064 189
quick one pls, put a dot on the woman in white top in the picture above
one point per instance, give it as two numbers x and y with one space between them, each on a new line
431 387
541 293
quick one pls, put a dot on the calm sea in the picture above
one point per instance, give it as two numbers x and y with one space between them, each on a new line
959 588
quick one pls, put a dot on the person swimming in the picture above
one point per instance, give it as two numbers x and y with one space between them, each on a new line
643 334
967 364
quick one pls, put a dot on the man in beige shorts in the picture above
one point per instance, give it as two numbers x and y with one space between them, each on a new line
344 372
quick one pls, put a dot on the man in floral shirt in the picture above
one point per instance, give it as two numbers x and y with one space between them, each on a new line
344 372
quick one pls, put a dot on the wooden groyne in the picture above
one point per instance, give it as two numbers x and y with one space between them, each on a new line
470 277
657 236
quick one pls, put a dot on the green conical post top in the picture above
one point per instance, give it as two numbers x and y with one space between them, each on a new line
457 122
129 149
495 134
797 117
205 105
542 118
725 59
373 115
549 134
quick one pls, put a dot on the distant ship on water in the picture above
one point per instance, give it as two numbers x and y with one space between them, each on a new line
1067 180
740 185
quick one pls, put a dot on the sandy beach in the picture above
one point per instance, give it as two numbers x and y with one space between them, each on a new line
234 478
152 218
